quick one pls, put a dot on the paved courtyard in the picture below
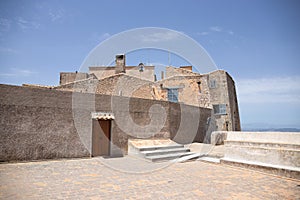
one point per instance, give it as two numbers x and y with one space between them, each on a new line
130 178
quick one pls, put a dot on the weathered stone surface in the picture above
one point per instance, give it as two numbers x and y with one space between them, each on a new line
130 178
69 77
104 72
218 137
278 150
40 123
201 90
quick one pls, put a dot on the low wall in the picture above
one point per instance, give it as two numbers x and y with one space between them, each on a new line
265 137
272 150
40 123
218 137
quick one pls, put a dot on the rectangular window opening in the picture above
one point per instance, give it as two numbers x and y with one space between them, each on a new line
173 95
219 109
212 84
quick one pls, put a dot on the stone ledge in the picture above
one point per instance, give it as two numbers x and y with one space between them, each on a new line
265 137
262 144
290 172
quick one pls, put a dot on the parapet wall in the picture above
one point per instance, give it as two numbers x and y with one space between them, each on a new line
40 123
278 151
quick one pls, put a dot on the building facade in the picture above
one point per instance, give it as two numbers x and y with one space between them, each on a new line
215 90
97 113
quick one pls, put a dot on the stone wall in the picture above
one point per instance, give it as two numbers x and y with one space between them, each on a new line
275 152
172 71
192 90
85 86
117 85
45 123
103 72
146 74
223 92
69 77
189 123
234 109
208 90
37 124
125 85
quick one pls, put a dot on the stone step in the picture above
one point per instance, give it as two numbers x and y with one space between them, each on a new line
166 157
153 148
209 159
163 151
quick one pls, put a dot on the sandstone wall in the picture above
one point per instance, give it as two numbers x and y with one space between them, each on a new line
69 77
234 108
189 123
192 90
124 85
45 123
223 92
37 124
172 71
103 72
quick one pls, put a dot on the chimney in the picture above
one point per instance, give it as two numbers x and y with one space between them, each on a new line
162 75
120 64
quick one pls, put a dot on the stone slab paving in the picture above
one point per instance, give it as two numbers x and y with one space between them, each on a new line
208 149
130 178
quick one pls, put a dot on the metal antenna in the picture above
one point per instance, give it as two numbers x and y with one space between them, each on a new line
148 56
169 58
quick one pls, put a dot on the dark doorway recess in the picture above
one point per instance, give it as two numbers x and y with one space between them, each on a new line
101 137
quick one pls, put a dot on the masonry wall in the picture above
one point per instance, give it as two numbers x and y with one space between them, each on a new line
172 71
189 91
103 72
69 77
219 95
234 109
193 89
146 74
37 124
189 123
124 85
118 85
45 123
85 86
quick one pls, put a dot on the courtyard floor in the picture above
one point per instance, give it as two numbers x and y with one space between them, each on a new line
131 178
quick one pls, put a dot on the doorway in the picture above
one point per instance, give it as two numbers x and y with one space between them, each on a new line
101 136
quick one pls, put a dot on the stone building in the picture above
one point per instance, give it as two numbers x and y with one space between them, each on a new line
215 90
39 122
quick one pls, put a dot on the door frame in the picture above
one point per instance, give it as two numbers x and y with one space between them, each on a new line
100 138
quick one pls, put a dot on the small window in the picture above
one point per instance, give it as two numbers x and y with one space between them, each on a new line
220 109
212 84
173 95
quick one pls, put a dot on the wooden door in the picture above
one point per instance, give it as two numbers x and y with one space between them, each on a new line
101 137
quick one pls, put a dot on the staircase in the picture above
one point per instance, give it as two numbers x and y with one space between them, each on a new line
159 153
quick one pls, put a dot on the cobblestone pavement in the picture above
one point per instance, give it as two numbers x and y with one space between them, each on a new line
96 179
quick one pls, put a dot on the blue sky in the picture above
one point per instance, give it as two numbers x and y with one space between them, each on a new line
256 41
